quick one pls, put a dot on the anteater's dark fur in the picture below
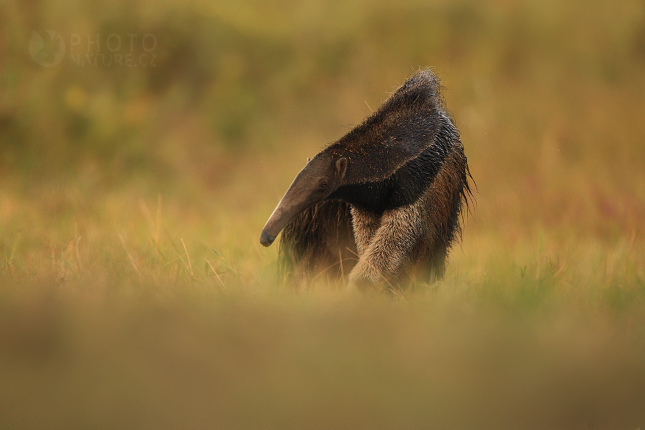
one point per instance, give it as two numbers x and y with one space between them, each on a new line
413 166
319 240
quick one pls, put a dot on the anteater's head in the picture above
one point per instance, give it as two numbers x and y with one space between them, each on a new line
402 128
315 182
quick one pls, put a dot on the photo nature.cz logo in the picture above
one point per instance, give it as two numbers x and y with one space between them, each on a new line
48 48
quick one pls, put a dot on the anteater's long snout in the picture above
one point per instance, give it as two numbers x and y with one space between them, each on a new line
297 199
282 214
301 194
266 238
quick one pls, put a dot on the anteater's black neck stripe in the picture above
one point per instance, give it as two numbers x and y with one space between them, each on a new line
407 184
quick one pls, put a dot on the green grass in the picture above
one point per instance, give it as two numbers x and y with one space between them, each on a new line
134 292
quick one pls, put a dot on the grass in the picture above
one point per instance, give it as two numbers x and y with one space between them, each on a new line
151 313
134 292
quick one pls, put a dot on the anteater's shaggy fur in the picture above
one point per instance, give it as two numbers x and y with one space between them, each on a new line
396 212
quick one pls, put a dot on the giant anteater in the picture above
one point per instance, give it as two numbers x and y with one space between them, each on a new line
383 203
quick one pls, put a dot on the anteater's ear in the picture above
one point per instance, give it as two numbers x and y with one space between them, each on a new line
341 167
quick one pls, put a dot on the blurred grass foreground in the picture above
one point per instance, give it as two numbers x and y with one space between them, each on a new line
143 145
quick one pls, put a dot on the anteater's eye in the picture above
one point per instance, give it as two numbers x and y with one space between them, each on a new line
322 186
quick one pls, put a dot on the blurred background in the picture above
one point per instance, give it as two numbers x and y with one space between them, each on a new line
548 95
143 144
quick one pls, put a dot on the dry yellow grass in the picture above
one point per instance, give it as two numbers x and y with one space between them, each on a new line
134 292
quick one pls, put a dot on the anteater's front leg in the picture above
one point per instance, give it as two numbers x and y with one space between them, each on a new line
365 225
389 249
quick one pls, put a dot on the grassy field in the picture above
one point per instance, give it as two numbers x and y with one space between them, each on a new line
134 292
